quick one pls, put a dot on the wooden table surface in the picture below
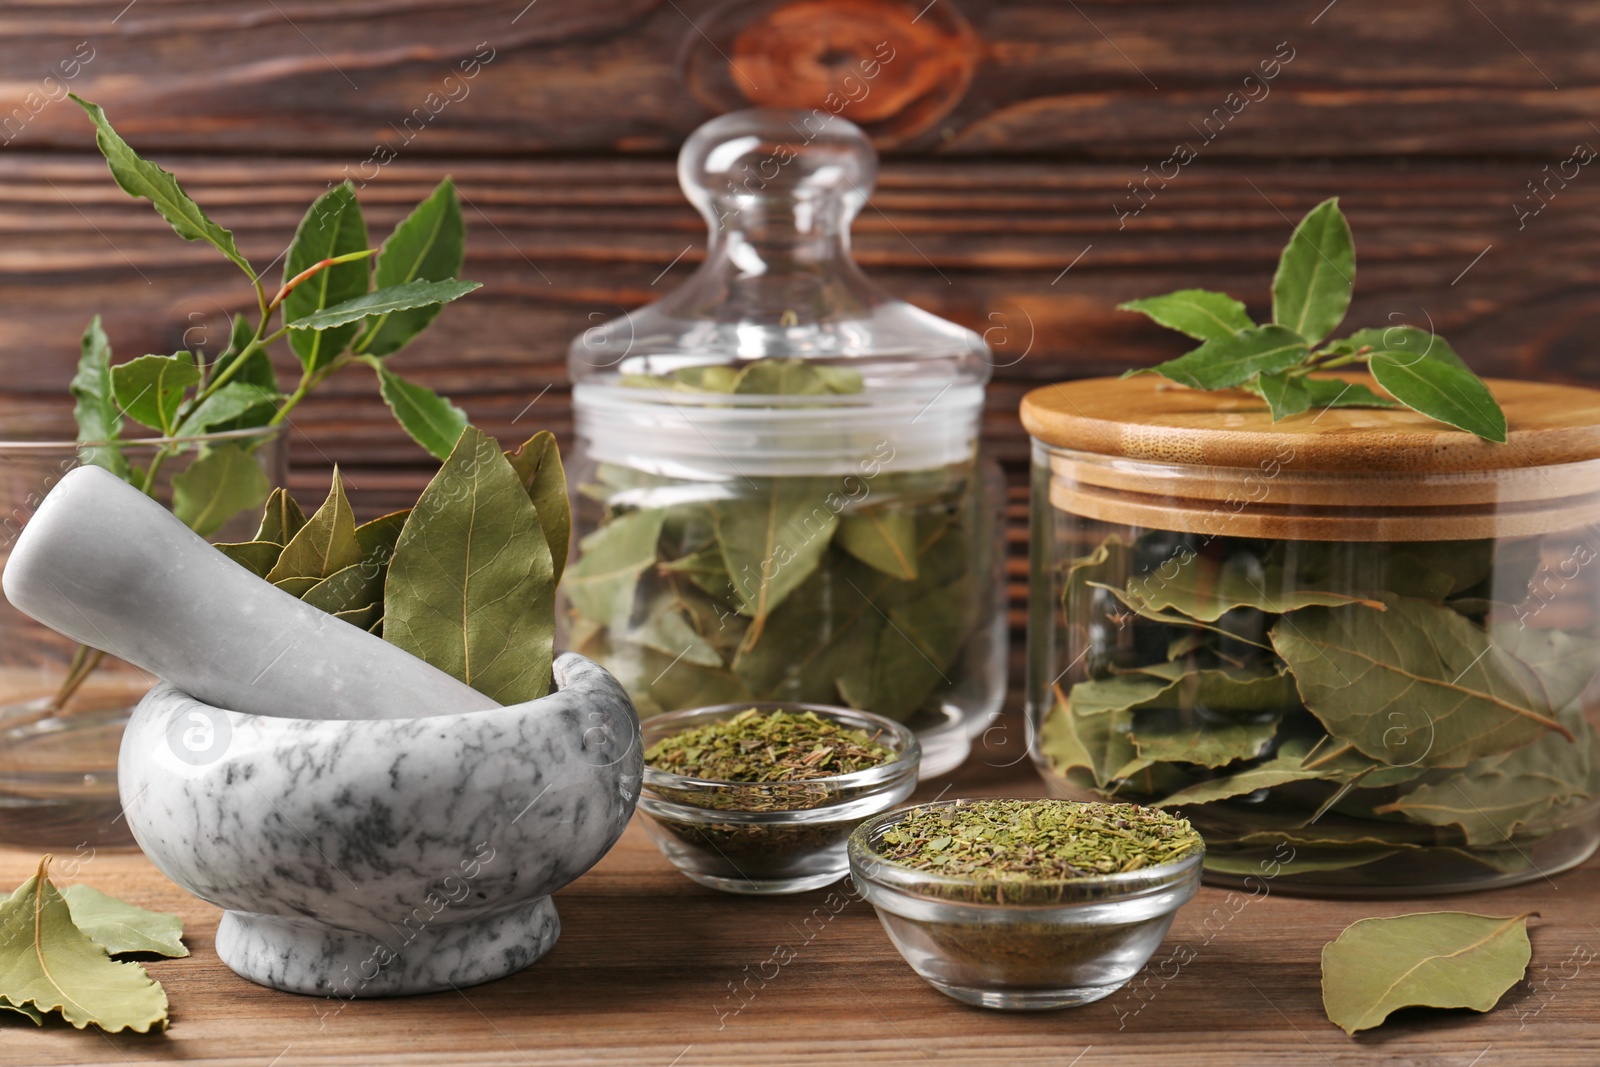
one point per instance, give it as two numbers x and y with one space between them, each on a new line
644 971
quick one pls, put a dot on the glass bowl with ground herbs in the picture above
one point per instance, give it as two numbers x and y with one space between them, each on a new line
1026 904
761 798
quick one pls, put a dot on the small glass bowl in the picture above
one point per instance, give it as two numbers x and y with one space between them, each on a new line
770 837
1057 944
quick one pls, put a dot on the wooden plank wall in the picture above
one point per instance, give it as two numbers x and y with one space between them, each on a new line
1043 161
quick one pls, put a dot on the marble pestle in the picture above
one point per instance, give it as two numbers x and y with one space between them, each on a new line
111 568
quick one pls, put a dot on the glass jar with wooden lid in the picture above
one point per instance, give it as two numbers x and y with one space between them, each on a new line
1356 648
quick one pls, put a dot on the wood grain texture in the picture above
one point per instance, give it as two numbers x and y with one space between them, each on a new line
647 960
1032 255
1096 79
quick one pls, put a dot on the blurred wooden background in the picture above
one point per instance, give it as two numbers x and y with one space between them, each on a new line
1019 141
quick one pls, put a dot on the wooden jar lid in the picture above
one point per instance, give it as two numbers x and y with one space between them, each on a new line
1148 452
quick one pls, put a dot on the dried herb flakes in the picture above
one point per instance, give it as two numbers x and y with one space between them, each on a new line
768 746
1011 840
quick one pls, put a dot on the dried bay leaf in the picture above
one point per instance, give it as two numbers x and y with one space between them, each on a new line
1211 745
50 965
377 538
1202 588
281 520
1286 766
1225 693
602 583
537 462
885 538
772 540
1443 959
667 628
1258 862
1564 662
352 588
324 545
1492 797
915 650
469 587
706 570
27 1010
257 557
1418 675
122 927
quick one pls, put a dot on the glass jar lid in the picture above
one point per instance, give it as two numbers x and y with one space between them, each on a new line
1146 452
778 356
778 189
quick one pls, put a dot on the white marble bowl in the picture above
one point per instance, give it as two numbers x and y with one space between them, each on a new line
377 857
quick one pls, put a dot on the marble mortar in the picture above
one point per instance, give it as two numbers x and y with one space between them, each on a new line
385 856
371 825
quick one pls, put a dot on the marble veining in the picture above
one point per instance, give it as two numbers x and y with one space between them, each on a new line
374 857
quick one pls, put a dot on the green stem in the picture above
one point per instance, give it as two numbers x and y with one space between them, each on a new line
149 486
84 662
308 381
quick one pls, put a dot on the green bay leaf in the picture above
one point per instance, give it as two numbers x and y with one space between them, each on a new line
427 245
333 226
1316 274
1441 959
380 302
257 366
1335 393
469 588
1442 391
141 178
235 406
1201 314
223 480
433 421
149 389
94 406
1285 394
1226 362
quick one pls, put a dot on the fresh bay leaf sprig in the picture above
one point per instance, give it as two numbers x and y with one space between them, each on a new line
1279 361
464 580
335 309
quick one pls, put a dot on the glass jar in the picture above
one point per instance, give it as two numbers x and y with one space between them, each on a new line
1357 649
777 486
63 706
